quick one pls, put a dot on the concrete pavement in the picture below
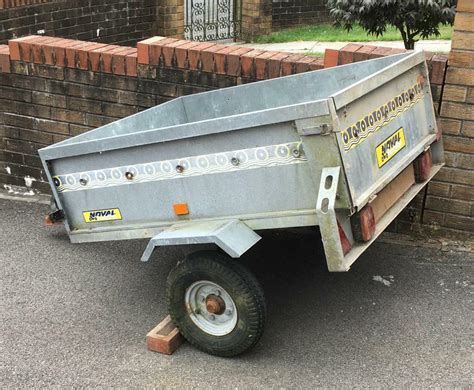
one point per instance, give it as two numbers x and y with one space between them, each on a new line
77 315
437 46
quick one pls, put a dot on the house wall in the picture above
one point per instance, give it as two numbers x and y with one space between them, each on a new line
293 13
111 21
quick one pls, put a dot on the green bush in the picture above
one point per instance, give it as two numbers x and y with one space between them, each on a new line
413 18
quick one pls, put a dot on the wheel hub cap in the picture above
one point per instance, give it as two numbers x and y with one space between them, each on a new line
215 304
211 308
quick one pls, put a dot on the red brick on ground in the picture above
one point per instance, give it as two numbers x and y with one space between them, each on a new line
164 338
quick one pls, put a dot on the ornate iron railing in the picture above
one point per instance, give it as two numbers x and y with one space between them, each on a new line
210 20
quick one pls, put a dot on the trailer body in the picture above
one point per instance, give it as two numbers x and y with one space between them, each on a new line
303 150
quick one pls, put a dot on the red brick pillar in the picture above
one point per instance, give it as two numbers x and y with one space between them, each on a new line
449 201
170 18
256 18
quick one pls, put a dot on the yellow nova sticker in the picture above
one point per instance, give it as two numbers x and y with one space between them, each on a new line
390 147
102 215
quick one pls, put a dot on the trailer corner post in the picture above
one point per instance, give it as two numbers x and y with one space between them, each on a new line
233 236
327 219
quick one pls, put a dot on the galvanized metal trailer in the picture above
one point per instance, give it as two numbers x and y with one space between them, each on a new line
344 148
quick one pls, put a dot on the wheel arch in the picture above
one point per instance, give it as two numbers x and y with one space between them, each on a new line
233 236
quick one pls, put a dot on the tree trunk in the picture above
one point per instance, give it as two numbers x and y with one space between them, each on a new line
408 37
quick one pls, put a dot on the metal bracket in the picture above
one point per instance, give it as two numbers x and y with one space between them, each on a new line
232 236
322 129
327 219
314 126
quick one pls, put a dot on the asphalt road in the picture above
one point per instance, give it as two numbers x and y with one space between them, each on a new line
77 315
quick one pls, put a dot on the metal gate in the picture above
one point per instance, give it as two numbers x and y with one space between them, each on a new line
209 20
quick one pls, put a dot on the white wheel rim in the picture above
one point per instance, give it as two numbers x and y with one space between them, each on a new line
196 297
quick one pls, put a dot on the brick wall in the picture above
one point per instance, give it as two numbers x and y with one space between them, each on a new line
450 202
51 89
256 18
170 18
292 13
19 3
119 21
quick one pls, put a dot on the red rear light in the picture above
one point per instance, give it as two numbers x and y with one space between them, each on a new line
422 166
363 224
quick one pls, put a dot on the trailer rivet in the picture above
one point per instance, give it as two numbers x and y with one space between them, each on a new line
129 175
296 153
83 181
234 161
179 168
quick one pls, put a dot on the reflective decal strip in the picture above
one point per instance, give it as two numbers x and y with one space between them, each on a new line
260 157
383 115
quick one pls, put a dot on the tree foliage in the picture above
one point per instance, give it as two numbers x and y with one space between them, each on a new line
413 18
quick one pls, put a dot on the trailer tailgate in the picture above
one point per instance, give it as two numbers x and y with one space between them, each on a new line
385 121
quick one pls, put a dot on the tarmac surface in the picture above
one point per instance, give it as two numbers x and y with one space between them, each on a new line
77 315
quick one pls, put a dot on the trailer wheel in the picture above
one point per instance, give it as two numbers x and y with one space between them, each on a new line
216 303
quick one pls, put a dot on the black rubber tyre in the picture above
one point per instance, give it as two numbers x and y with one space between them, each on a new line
238 282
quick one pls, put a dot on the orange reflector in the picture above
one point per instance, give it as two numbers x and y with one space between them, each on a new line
346 245
181 208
